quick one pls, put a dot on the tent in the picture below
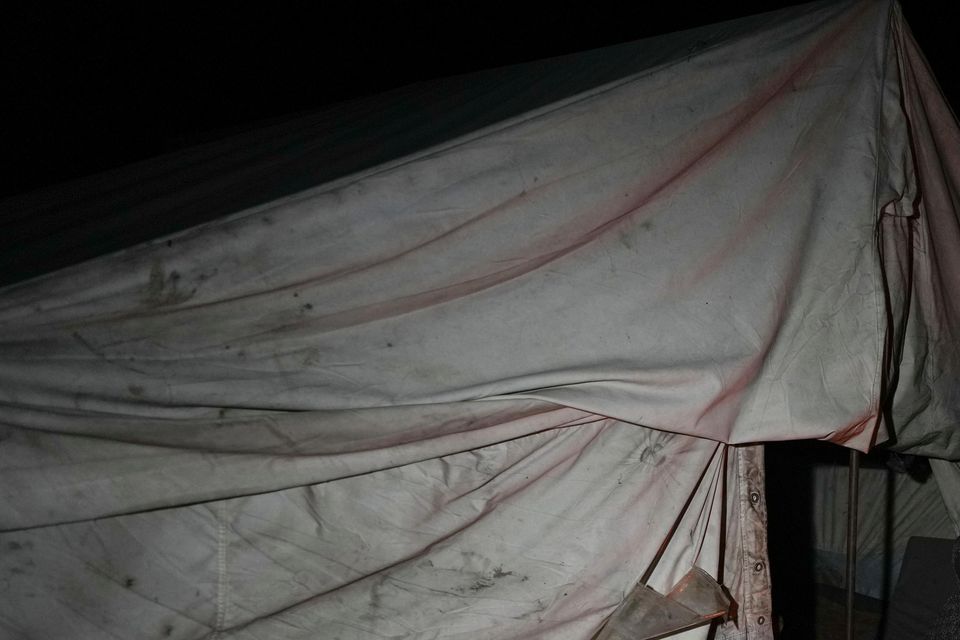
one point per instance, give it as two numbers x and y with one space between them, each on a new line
477 370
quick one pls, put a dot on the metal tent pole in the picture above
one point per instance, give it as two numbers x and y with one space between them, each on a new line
853 496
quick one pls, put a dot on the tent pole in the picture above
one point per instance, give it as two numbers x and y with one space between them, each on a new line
853 496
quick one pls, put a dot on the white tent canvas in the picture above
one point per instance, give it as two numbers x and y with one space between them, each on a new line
480 390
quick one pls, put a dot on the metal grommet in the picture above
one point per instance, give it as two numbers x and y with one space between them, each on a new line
761 620
754 497
758 566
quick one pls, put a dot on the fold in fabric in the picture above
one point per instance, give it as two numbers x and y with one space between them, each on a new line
479 390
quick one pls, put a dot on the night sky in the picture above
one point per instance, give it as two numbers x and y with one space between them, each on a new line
95 88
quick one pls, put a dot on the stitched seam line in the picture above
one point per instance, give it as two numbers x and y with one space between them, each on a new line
221 569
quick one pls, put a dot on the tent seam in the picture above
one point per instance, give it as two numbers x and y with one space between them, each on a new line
880 305
221 571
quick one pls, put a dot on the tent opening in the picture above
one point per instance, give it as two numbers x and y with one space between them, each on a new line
904 542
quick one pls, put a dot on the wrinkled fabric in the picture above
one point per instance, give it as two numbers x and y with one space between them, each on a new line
922 250
479 390
947 475
690 249
539 536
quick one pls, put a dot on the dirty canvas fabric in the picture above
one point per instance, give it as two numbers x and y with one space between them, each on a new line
476 391
535 537
921 250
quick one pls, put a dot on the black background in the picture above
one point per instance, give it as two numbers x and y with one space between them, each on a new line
91 87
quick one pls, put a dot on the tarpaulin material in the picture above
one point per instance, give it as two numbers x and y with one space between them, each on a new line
477 391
